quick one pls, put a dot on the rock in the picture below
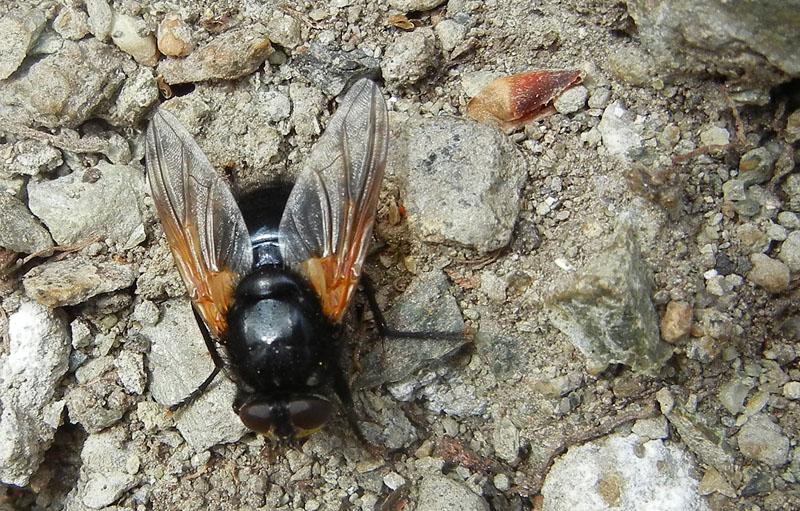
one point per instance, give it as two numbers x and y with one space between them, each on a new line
758 41
101 18
790 251
756 166
126 32
791 187
285 31
73 281
471 195
130 371
174 36
30 370
656 428
18 32
408 57
178 364
505 439
622 473
791 390
752 239
619 136
425 306
234 54
792 131
607 312
71 23
330 70
103 478
138 94
762 440
31 157
715 136
450 34
65 88
415 5
438 492
789 220
700 437
20 231
732 395
714 482
768 273
677 321
104 201
734 190
571 100
307 105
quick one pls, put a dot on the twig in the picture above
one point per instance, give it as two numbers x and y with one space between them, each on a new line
81 145
63 248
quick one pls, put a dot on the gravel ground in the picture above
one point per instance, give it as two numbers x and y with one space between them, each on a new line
626 266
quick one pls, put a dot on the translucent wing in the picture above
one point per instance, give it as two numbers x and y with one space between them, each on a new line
329 215
203 224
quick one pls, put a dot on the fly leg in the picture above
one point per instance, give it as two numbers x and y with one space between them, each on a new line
215 356
383 328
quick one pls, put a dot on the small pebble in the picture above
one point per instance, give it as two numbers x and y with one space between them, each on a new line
791 390
789 220
450 34
768 273
174 36
790 251
715 136
571 100
677 321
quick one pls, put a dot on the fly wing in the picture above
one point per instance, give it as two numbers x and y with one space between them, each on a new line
204 227
328 218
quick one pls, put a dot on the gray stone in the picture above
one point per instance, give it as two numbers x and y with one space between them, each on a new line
623 473
20 231
31 157
285 31
789 220
101 17
762 440
130 371
619 136
607 312
752 239
409 57
18 32
791 187
440 493
790 251
426 306
73 281
792 131
450 34
103 478
130 35
105 201
758 40
732 395
571 100
307 105
768 273
791 390
138 94
415 5
656 428
178 364
715 136
505 438
233 54
71 23
65 88
700 437
734 190
37 358
330 69
463 183
756 166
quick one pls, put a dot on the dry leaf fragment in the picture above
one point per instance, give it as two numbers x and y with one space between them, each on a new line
513 100
401 21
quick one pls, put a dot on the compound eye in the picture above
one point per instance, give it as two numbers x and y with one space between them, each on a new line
258 417
309 414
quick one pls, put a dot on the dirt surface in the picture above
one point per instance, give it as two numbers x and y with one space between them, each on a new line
495 414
